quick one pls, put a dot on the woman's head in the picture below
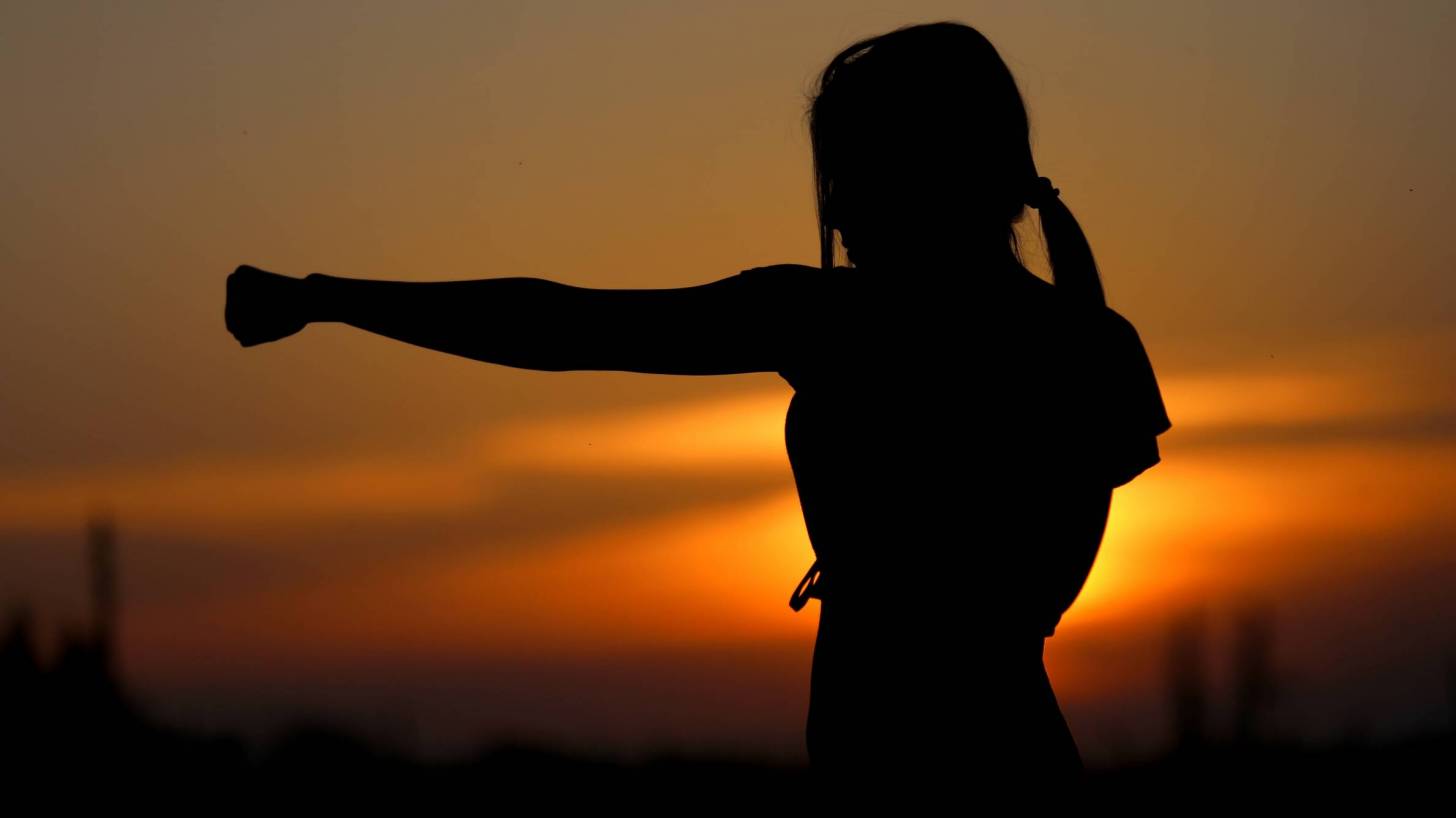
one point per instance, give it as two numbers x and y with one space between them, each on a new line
922 149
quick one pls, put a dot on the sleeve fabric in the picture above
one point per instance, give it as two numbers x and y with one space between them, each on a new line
780 302
1133 413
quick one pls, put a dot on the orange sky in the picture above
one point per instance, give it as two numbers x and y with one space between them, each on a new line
605 558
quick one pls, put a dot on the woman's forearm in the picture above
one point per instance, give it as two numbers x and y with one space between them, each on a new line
727 326
511 321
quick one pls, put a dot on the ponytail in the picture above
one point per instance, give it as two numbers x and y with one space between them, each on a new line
1073 267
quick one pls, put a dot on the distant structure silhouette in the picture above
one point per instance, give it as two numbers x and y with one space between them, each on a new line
958 423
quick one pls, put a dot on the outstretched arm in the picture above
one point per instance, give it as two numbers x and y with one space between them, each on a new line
721 327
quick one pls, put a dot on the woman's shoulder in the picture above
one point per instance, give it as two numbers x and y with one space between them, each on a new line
780 270
789 274
803 289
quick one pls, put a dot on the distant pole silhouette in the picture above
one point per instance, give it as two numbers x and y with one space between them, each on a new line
104 601
1451 689
1188 675
1254 686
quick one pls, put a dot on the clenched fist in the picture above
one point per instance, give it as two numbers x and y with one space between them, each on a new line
264 306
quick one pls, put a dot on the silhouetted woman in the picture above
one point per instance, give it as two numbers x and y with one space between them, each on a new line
958 423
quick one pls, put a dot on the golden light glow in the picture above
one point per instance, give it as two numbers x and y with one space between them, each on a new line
737 432
719 432
720 574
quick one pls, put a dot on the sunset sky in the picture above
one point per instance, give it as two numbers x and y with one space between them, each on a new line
441 550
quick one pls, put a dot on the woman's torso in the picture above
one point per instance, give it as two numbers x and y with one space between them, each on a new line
924 440
928 442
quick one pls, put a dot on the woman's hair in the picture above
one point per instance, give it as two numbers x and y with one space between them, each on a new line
922 132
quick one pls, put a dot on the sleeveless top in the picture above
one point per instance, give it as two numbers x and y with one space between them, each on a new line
939 427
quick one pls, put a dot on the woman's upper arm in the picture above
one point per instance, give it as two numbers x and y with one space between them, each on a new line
738 324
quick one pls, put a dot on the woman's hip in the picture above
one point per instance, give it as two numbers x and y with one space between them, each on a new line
918 695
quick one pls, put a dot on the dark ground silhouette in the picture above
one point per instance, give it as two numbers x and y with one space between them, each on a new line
72 719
